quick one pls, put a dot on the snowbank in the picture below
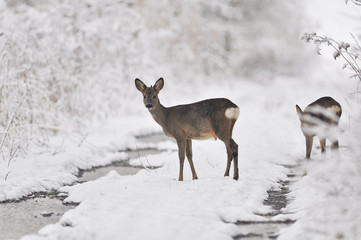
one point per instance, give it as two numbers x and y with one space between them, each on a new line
50 170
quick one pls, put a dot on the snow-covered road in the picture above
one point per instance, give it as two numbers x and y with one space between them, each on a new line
153 205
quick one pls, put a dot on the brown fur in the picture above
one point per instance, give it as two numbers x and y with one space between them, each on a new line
312 118
201 120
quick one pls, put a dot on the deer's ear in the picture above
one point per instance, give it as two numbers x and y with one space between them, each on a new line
299 110
159 84
140 85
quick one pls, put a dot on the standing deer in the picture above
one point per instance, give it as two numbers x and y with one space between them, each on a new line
211 118
317 119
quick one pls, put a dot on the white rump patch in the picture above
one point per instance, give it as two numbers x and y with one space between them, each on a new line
334 109
232 113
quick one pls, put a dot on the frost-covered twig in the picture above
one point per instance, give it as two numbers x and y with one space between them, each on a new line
54 128
6 176
13 155
210 164
350 55
83 139
151 166
10 122
140 160
8 40
356 41
27 85
357 2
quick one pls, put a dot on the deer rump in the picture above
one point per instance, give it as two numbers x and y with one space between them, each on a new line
320 118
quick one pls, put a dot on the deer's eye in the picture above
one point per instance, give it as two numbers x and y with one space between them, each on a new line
153 97
144 96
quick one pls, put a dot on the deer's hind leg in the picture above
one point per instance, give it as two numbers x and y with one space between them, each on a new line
229 160
224 133
334 141
334 145
190 157
234 149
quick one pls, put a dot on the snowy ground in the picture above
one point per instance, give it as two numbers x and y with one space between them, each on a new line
153 205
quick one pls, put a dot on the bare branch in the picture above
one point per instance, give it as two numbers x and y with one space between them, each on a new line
140 160
356 2
8 40
12 156
6 176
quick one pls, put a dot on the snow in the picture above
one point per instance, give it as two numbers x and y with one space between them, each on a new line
51 170
327 205
154 207
325 201
152 204
337 20
43 173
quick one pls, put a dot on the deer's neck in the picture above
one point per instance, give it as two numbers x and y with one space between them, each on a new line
159 114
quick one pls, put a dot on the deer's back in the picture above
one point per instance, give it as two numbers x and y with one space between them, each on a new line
198 120
205 109
323 109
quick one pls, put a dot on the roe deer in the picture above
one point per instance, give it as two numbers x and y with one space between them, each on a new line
211 118
317 120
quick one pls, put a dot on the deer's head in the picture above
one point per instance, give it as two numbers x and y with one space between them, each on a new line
150 94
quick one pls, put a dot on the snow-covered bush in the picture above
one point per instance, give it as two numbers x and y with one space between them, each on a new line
350 54
66 63
225 39
63 63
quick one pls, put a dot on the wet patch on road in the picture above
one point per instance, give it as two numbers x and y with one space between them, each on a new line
277 200
30 213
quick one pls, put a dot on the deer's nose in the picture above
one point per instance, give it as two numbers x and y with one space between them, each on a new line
149 105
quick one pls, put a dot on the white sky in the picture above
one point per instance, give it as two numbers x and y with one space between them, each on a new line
334 18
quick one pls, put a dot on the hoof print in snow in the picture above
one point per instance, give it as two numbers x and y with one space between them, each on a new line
249 235
67 224
46 214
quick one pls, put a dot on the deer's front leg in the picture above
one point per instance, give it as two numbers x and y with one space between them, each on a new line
181 153
323 145
309 142
190 157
